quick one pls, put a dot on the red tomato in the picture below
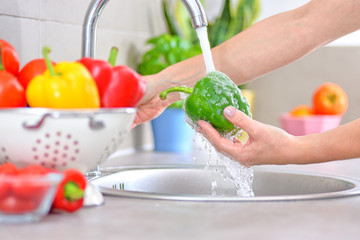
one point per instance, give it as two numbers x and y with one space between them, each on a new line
12 94
32 69
330 99
10 57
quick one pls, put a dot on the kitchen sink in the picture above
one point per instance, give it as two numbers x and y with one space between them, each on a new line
202 183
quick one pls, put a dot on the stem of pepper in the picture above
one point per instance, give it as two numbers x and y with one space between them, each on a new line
183 89
72 192
113 54
2 68
50 67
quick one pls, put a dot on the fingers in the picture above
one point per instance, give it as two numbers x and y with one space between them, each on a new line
208 131
135 122
240 119
220 143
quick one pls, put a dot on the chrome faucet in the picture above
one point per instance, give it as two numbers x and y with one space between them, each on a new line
194 7
197 13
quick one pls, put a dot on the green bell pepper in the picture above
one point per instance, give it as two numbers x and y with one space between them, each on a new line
208 99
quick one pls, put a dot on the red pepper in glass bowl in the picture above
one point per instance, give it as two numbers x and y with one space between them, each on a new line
26 194
119 86
29 193
10 170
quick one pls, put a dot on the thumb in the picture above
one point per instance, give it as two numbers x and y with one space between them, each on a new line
240 119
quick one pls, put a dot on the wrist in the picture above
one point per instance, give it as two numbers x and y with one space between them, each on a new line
305 150
155 85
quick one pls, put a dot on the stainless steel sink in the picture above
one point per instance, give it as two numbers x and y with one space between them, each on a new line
195 183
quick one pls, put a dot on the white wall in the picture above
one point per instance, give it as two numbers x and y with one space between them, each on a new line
31 24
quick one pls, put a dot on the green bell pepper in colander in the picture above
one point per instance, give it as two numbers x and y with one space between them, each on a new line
208 99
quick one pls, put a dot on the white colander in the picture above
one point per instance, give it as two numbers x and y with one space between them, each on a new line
62 139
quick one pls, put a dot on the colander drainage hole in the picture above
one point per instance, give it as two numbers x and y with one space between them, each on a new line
3 154
56 149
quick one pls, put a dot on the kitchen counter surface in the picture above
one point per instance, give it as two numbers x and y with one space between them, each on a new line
129 218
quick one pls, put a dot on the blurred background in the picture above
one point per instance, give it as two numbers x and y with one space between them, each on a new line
30 24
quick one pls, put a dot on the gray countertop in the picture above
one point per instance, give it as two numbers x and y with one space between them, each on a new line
130 218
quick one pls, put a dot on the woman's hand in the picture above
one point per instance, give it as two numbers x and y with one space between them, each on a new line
151 105
266 144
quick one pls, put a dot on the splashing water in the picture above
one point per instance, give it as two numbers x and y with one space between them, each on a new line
241 176
213 188
238 174
205 47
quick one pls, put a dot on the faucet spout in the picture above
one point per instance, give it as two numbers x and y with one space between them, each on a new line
89 27
194 7
197 13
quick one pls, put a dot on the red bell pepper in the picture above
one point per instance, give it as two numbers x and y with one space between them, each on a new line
101 71
70 193
32 69
12 94
34 170
4 188
123 87
9 57
8 169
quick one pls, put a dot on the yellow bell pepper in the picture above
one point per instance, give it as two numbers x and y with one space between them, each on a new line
65 85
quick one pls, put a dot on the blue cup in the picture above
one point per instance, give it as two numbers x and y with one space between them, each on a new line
171 132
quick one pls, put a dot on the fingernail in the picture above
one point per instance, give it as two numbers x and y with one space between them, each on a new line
198 126
229 112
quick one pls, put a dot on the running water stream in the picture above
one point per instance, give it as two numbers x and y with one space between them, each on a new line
206 50
241 176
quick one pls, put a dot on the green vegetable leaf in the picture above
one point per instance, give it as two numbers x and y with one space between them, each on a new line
166 50
170 21
221 26
246 13
178 104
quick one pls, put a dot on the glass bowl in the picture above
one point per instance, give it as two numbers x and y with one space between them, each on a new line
26 198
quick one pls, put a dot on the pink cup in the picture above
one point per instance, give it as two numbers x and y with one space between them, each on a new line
299 126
